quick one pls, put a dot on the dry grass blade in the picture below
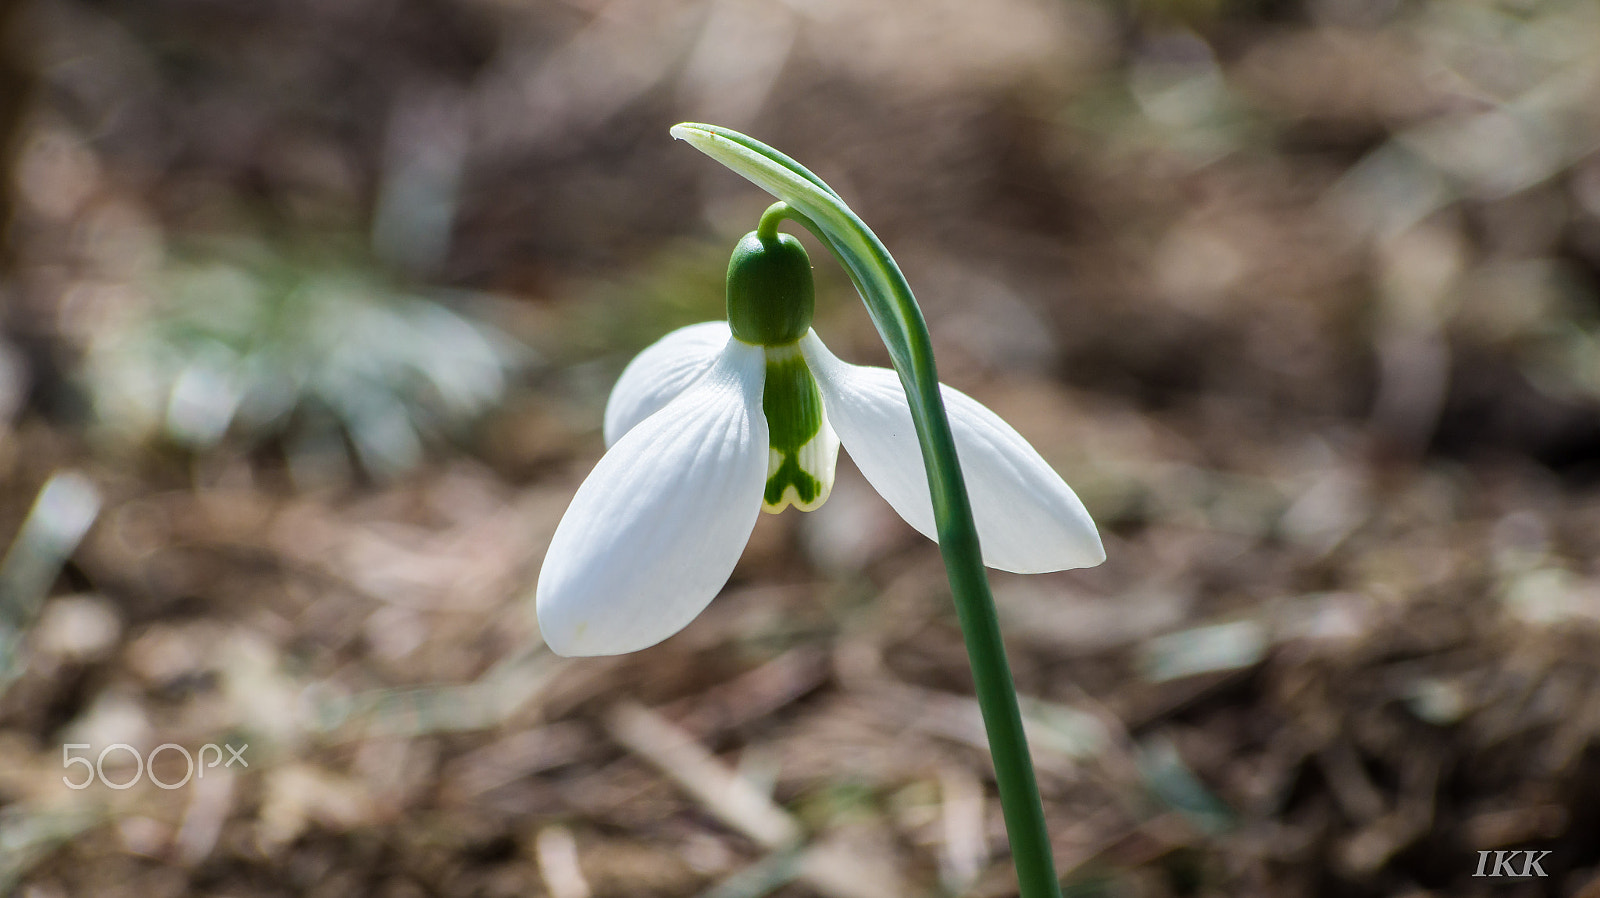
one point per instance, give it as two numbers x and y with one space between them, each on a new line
558 863
831 865
732 798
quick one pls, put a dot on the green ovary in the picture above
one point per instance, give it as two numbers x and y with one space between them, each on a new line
803 446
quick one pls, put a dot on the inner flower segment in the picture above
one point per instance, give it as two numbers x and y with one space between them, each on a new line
804 448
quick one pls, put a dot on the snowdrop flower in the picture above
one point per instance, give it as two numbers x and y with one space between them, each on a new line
720 421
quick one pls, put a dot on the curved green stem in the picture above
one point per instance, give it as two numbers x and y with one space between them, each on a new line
894 310
767 228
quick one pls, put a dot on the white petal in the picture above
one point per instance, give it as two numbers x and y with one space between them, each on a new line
656 376
654 532
1029 520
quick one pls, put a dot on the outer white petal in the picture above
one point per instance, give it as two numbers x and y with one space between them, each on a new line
654 532
656 376
1029 520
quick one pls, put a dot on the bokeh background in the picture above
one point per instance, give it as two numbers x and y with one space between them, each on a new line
310 309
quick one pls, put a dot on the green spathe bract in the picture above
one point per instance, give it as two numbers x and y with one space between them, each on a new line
889 300
770 292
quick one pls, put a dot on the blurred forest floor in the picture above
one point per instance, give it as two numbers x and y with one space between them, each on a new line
310 312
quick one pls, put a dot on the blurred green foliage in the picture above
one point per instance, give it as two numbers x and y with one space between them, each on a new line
325 358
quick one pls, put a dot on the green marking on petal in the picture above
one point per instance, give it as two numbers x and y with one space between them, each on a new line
804 447
791 399
789 478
